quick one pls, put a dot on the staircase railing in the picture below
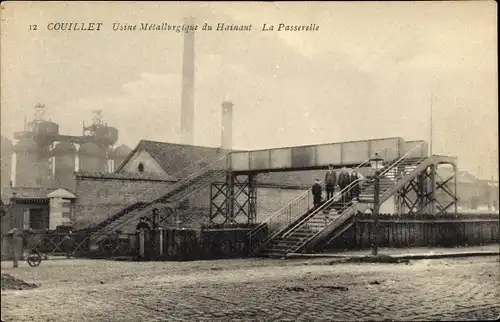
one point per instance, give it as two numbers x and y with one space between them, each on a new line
146 193
183 181
205 169
212 177
350 205
324 206
178 199
281 219
401 174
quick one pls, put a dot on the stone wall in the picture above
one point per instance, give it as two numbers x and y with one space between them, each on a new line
100 196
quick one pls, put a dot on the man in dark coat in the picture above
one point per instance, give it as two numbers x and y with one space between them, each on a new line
356 189
344 180
330 182
316 191
142 225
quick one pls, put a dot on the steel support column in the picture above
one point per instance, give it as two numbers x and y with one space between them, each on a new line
443 205
376 212
422 191
218 201
235 197
245 198
230 179
433 188
455 173
420 195
252 197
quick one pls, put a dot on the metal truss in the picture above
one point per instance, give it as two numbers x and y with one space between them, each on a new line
428 193
236 196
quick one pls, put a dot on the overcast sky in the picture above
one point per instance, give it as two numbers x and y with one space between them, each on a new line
368 72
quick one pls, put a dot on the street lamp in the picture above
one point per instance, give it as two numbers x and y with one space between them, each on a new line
376 163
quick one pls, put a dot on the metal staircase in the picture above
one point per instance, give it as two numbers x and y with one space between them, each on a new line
172 197
279 223
322 225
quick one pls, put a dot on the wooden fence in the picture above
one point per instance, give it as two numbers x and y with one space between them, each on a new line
230 242
420 231
215 243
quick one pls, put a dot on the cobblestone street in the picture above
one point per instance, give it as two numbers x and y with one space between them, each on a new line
255 290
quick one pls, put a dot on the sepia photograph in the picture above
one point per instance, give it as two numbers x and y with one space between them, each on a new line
249 161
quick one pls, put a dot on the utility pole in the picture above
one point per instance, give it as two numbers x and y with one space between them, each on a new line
430 139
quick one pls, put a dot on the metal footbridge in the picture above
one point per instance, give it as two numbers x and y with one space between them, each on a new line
409 178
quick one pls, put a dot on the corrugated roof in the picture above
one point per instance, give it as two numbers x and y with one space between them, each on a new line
174 157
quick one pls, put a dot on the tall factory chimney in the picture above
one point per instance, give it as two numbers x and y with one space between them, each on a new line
187 104
227 126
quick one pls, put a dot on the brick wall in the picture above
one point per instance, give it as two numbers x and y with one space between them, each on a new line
101 195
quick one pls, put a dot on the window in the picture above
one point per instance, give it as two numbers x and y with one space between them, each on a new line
141 167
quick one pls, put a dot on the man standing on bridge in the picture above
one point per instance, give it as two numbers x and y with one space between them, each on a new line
316 191
344 180
330 181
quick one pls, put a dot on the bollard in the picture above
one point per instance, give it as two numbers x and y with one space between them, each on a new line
17 247
141 244
159 240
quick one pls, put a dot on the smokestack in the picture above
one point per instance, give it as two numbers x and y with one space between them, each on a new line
187 104
227 126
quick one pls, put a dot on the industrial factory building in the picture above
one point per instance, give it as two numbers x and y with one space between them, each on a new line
49 179
38 172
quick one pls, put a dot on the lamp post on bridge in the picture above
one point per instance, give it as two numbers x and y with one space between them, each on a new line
376 163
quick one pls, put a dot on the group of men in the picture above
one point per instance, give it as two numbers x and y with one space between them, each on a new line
344 180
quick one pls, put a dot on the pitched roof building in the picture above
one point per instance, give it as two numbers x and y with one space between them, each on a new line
165 159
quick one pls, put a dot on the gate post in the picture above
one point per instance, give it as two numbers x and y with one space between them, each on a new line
141 244
17 247
159 242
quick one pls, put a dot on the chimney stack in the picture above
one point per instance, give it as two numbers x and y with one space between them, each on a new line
227 126
187 104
